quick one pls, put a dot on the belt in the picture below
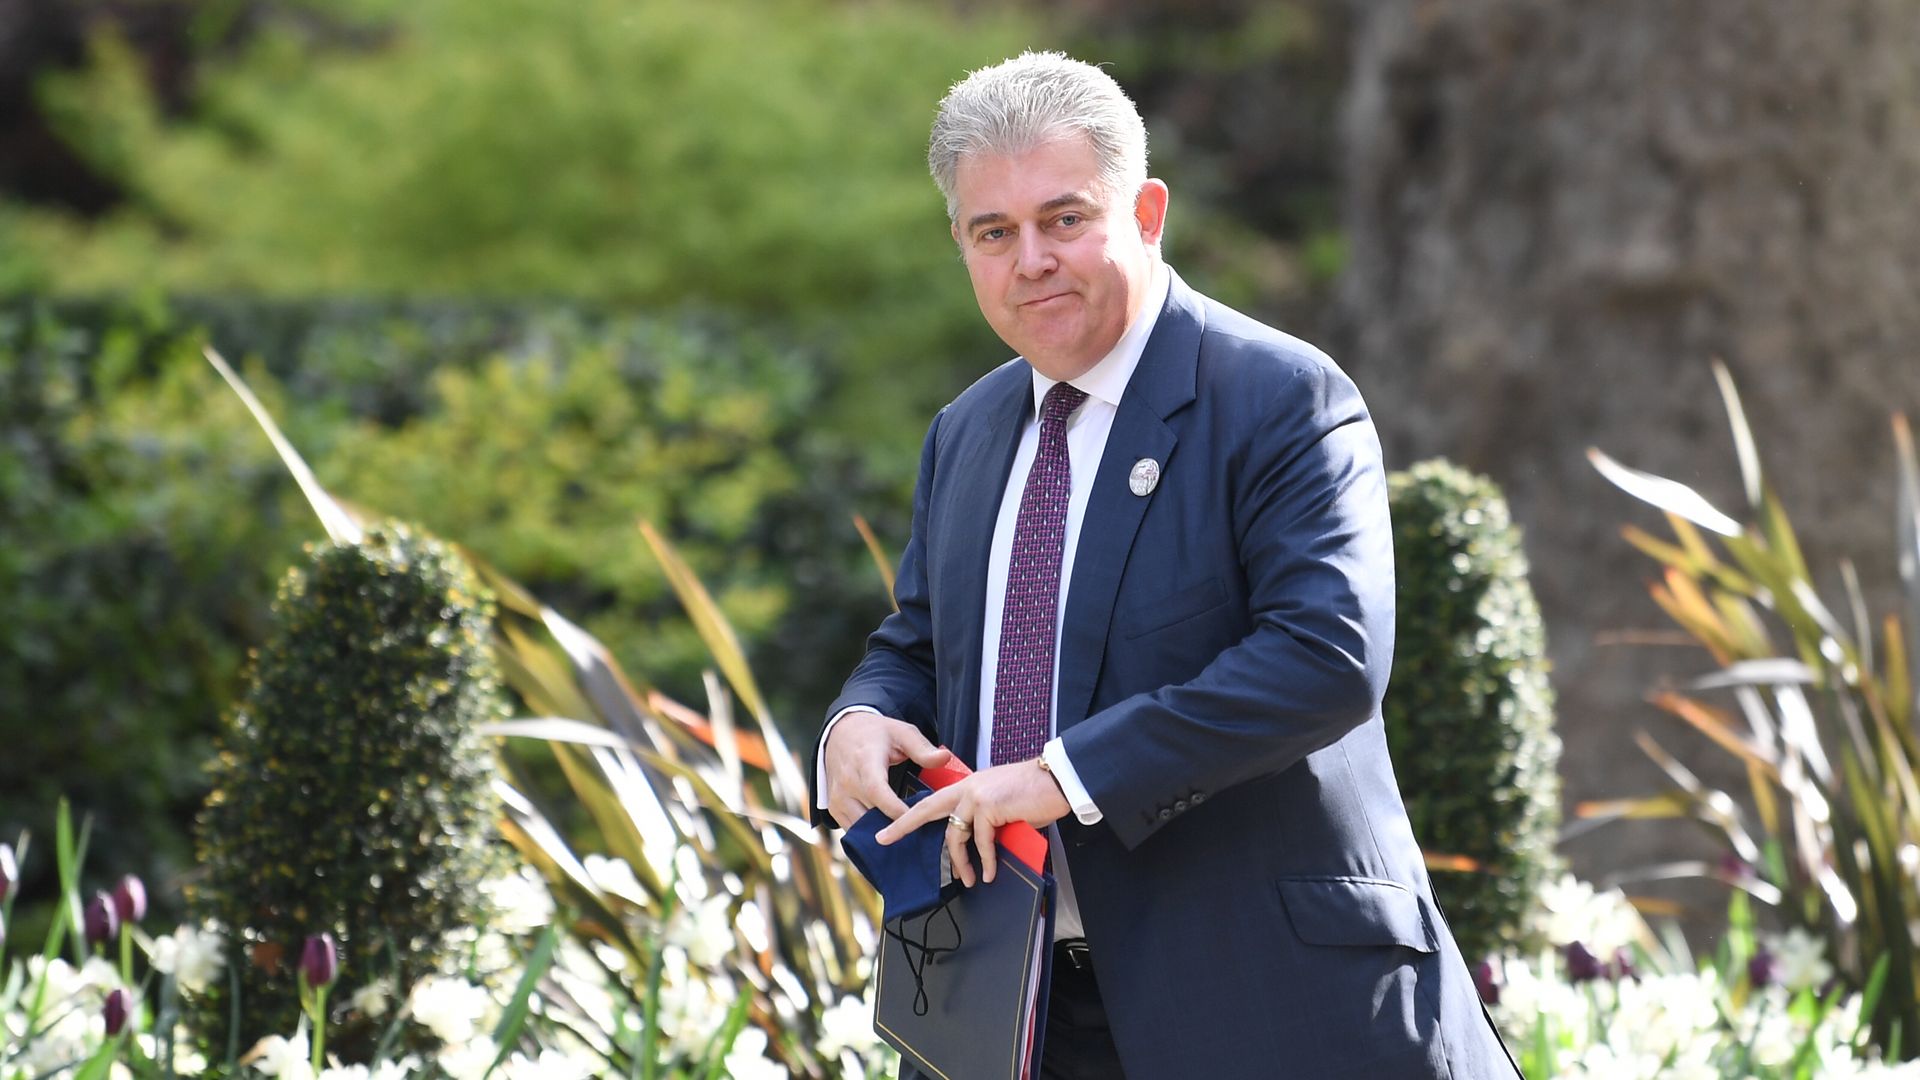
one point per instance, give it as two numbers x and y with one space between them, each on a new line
1074 953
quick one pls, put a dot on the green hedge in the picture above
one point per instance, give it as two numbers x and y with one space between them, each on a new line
146 516
1469 711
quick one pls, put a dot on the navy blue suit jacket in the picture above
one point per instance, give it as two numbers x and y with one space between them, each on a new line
1253 897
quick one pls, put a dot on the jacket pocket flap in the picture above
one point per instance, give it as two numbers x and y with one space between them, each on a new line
1355 911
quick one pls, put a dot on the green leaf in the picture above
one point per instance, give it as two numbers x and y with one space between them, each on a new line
514 1016
879 554
1749 456
1669 495
1908 533
341 528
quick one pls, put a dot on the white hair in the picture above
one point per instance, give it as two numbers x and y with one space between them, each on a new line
1032 99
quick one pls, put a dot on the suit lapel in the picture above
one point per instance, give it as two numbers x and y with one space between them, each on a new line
981 463
1161 385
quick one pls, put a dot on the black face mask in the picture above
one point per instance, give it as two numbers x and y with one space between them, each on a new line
916 883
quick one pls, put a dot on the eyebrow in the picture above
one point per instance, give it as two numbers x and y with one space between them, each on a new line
1071 198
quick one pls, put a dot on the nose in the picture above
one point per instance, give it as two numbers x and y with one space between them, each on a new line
1036 258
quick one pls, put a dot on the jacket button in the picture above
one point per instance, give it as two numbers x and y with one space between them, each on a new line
1199 797
1180 806
1166 814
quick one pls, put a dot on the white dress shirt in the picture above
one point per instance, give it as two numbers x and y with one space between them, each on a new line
1087 430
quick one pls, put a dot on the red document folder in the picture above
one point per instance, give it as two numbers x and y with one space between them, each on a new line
1021 840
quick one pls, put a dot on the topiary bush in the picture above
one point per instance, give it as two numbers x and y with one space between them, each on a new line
1469 712
352 792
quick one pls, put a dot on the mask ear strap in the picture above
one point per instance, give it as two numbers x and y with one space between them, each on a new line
919 954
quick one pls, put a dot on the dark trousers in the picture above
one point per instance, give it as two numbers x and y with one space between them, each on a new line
1079 1044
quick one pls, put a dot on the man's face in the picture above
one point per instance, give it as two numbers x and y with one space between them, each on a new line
1059 264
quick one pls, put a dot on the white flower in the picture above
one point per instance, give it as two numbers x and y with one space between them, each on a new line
747 1060
616 877
1571 911
520 903
373 999
346 1072
847 1026
469 1060
705 931
450 1008
100 976
193 957
289 1059
550 1065
396 1070
1802 959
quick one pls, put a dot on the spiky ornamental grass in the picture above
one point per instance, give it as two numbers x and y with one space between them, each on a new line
351 790
1469 711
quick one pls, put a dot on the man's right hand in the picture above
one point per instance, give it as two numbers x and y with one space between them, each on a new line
860 749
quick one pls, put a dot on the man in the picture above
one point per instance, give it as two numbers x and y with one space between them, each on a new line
1149 599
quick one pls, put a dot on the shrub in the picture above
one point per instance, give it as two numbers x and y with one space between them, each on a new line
144 513
352 791
126 611
760 155
1469 713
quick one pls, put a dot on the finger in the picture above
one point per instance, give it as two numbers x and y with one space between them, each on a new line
846 812
928 809
983 839
957 855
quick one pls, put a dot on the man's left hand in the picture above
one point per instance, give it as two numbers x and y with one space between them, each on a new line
989 799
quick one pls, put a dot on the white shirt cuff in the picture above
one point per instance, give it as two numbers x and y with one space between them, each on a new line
1055 755
820 752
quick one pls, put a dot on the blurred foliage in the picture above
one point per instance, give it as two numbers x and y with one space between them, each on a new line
353 789
1470 714
129 597
144 512
766 156
1241 98
1821 722
691 813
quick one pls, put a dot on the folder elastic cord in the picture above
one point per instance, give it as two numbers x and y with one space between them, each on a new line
919 954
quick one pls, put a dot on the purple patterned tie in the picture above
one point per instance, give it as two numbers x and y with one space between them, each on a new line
1023 683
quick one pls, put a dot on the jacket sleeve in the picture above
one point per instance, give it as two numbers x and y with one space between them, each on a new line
896 676
1311 526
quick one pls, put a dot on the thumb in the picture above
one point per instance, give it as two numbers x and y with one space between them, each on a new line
924 753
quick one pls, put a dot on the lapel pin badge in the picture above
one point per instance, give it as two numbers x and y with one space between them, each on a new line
1145 477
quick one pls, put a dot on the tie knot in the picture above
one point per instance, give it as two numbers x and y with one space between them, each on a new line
1060 403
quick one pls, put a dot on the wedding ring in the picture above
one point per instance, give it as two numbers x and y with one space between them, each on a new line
959 824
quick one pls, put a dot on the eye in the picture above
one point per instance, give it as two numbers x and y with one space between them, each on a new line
1068 221
996 233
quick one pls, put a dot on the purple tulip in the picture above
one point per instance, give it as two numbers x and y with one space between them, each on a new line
130 899
1484 981
1763 969
1582 965
9 872
119 1008
320 960
103 920
1623 964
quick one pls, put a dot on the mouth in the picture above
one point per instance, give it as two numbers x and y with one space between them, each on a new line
1045 300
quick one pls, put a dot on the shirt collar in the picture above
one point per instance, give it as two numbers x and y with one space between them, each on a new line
1107 380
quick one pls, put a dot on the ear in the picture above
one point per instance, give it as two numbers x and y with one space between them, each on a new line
954 228
1150 211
